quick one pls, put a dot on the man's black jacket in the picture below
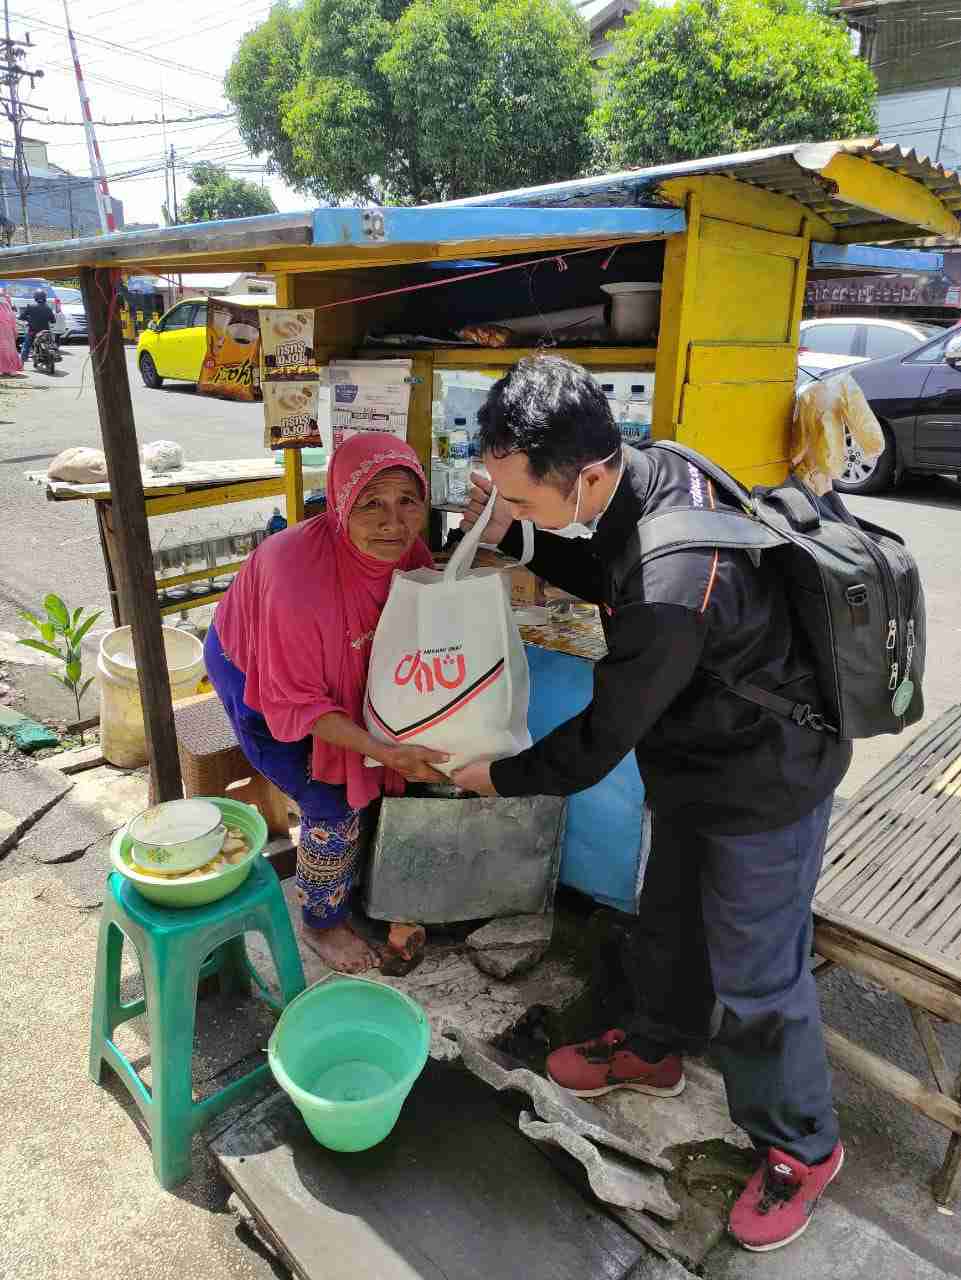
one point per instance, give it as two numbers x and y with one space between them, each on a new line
706 756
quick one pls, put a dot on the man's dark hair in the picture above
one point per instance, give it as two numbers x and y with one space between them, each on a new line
553 411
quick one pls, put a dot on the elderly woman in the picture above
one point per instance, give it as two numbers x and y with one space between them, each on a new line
288 653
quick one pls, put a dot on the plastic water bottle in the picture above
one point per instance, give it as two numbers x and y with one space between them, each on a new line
459 461
276 523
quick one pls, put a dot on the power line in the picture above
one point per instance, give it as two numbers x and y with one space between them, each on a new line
126 124
12 72
112 44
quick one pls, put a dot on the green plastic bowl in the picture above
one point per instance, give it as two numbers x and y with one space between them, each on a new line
347 1052
201 890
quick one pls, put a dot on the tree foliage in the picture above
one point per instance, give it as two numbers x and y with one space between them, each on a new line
416 100
709 77
217 195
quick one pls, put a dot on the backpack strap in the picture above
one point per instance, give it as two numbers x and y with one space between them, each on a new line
802 713
799 507
681 528
723 479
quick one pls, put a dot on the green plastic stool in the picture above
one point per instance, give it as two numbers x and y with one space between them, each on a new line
176 949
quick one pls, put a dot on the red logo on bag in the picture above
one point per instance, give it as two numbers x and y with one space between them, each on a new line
449 672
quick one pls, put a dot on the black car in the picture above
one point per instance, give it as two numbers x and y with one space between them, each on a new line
916 397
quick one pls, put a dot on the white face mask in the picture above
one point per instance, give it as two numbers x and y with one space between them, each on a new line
576 529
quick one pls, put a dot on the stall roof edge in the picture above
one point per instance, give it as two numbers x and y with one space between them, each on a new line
821 177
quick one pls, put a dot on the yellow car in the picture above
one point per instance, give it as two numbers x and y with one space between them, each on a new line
175 345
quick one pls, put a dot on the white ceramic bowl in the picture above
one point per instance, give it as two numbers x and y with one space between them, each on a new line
180 835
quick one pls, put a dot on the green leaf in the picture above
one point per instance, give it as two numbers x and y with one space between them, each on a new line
48 631
77 613
79 635
57 611
61 680
32 618
44 648
85 686
74 670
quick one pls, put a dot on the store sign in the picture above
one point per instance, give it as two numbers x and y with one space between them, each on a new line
881 291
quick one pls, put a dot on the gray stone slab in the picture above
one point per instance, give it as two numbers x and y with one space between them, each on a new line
611 1178
65 832
557 1105
839 1244
28 794
512 944
453 1193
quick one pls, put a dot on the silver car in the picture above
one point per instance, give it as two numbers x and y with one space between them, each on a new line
71 308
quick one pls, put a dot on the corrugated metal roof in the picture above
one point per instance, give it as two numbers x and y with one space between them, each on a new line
794 170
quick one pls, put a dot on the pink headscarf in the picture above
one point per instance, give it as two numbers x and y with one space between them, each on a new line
300 617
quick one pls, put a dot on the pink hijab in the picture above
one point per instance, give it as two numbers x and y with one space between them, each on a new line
300 617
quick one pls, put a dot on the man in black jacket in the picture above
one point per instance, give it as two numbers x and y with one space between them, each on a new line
38 316
741 797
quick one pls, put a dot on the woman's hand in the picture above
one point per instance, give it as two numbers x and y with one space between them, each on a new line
475 777
415 763
501 517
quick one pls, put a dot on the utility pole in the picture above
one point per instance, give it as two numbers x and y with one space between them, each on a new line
12 71
173 180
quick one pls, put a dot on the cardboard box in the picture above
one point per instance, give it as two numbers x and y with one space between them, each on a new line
526 589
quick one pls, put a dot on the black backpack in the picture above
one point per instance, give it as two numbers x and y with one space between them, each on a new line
854 590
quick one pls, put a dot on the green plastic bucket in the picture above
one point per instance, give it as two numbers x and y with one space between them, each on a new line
347 1052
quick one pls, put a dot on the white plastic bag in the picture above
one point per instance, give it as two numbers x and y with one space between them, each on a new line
448 668
162 455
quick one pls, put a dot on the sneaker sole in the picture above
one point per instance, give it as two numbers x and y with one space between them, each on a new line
651 1089
779 1244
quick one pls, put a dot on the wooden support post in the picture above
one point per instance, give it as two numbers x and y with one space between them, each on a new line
294 485
135 563
107 545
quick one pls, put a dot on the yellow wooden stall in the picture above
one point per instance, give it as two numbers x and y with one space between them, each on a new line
737 233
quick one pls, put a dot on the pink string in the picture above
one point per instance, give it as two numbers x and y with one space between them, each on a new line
560 261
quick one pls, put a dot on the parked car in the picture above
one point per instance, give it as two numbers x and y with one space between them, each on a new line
74 313
175 345
857 338
20 293
916 397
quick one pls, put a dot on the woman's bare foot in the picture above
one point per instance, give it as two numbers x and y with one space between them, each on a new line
341 948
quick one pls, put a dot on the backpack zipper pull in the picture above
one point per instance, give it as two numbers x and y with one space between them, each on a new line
892 634
893 679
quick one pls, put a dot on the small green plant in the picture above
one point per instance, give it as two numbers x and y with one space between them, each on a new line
61 635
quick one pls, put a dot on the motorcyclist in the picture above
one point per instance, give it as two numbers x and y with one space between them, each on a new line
38 316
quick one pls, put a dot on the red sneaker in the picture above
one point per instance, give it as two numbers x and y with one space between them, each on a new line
777 1204
596 1067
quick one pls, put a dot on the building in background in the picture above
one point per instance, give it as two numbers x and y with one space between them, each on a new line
603 17
60 205
914 49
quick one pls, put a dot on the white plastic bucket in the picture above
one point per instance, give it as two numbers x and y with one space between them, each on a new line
635 308
122 737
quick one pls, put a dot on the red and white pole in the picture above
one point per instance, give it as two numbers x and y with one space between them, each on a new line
97 171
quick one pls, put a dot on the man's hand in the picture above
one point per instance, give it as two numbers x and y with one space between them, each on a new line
416 763
475 777
501 518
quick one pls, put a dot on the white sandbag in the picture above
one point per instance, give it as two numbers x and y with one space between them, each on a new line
448 668
162 455
79 465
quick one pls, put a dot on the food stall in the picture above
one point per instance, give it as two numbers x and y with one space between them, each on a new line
722 246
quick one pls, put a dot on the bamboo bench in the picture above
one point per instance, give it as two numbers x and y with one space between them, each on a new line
888 907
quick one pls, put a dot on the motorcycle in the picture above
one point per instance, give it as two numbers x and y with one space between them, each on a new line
45 353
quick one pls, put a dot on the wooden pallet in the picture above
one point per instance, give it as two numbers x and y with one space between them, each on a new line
888 906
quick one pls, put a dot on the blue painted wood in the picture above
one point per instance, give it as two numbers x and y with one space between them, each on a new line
873 258
608 830
440 225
